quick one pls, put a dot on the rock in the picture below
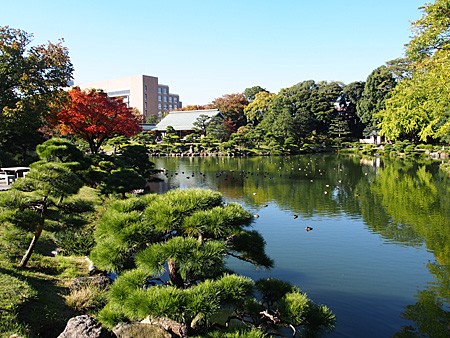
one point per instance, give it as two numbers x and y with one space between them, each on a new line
84 327
169 325
134 330
81 282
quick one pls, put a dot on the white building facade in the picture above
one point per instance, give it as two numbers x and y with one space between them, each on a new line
142 92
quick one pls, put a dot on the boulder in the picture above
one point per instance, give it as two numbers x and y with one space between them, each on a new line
84 327
169 325
79 283
138 330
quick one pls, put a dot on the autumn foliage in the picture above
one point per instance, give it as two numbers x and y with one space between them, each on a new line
94 117
232 107
195 107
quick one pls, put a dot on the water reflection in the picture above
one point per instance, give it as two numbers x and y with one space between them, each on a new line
406 204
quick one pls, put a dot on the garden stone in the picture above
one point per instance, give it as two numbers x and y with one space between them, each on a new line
84 327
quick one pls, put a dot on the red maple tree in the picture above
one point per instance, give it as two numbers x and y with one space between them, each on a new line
94 117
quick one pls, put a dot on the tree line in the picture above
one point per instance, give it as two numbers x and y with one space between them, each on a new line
404 99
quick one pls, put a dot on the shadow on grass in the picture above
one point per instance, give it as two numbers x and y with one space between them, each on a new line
46 314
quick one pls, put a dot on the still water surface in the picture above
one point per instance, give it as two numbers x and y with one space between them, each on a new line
379 251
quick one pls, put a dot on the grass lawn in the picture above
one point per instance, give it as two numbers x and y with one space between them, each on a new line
33 300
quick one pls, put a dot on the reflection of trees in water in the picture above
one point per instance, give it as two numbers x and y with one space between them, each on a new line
306 185
404 202
409 205
429 316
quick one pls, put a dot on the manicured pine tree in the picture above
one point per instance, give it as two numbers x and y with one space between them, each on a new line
170 253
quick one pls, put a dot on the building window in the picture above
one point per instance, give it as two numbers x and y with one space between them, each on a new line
165 107
170 106
145 105
170 98
165 91
145 97
159 98
165 98
175 100
159 90
145 88
159 106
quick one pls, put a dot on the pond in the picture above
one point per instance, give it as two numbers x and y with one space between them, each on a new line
378 253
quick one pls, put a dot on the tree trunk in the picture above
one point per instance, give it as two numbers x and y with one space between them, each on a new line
174 274
37 234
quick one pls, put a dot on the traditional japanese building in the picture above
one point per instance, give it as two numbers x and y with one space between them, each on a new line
183 121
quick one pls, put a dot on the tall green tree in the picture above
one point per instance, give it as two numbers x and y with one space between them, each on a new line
65 152
419 108
378 86
351 95
258 107
31 80
302 109
250 93
431 32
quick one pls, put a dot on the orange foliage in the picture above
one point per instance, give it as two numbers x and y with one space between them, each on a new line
232 107
195 107
94 117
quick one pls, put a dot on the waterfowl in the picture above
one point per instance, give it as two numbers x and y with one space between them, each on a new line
308 228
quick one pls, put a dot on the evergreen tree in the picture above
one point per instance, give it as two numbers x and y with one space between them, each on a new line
39 201
189 234
376 89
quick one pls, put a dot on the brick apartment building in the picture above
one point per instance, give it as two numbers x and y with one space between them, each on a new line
142 92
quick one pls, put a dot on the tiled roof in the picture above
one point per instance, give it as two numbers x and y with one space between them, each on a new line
184 120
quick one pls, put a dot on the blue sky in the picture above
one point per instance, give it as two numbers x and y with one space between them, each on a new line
205 49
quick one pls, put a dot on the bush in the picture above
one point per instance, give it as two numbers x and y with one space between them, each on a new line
400 146
409 148
368 149
387 148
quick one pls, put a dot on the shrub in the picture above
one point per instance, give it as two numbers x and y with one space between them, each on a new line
387 148
409 148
